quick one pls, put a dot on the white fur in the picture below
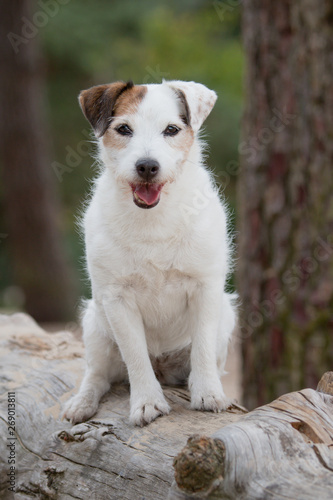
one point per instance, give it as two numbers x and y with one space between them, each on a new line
158 275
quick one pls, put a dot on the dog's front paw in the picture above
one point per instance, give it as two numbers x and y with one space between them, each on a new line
80 408
210 402
208 396
145 411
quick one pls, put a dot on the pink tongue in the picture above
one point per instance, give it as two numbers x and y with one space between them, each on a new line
148 193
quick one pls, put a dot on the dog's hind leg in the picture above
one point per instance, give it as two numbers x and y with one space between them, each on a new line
104 365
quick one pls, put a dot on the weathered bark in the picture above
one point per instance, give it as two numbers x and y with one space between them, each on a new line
103 459
285 266
281 450
31 208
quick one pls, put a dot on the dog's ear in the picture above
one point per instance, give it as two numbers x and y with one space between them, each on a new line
97 104
199 101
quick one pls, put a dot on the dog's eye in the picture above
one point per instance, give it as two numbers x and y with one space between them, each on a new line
171 130
124 130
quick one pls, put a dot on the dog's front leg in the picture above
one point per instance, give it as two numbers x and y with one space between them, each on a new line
204 381
147 400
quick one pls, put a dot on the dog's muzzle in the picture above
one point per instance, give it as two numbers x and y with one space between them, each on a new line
147 192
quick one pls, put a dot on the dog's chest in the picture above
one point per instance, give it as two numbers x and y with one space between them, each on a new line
167 298
150 279
161 291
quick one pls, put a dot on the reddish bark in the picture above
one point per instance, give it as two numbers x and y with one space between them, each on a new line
285 197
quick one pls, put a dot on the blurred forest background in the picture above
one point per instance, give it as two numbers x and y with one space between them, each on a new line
87 43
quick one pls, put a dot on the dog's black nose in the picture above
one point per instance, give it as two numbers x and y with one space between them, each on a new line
147 168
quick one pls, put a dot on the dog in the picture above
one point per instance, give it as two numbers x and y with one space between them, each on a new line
157 251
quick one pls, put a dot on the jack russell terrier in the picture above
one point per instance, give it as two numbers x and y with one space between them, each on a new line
158 252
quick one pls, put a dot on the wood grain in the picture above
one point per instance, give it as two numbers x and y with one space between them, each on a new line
280 450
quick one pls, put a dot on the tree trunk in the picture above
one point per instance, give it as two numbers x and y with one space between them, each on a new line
34 239
285 266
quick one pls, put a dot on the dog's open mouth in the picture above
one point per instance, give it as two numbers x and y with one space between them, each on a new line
146 195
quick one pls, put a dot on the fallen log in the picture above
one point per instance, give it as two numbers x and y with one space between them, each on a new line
280 450
104 458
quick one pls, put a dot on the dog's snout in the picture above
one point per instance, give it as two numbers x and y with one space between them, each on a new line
147 168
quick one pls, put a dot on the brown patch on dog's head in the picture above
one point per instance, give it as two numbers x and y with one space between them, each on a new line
101 103
187 140
184 140
128 102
